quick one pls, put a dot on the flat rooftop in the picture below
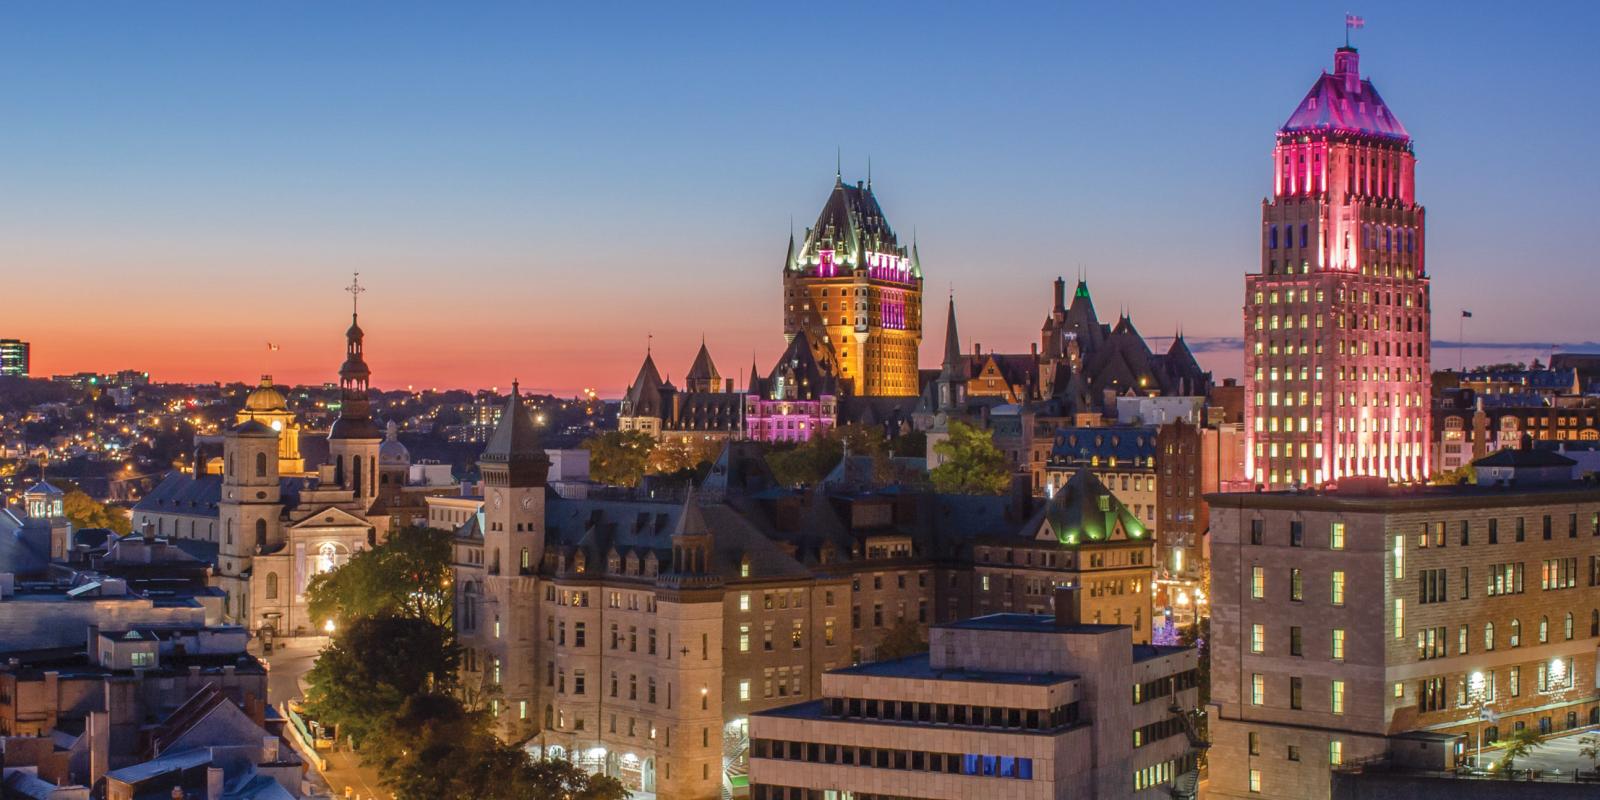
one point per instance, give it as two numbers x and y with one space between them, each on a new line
1025 623
917 667
1411 498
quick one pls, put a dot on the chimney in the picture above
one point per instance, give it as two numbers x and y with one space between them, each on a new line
1035 348
149 532
977 349
1061 294
213 783
1069 606
1021 495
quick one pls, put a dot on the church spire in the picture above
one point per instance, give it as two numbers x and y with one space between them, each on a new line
952 341
355 409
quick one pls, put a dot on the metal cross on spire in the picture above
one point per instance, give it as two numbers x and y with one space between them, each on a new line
355 289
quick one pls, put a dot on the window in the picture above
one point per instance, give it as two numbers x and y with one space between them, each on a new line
1399 618
1255 781
1294 693
1255 743
1258 583
1294 640
1399 553
1336 701
1336 650
1336 536
1258 689
1258 638
1296 585
1337 585
1257 531
272 589
744 689
1335 752
1297 533
1516 633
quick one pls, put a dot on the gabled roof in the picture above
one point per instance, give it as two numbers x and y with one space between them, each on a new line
1344 103
1084 511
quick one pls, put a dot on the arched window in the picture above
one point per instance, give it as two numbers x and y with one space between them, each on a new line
1272 238
228 531
355 475
261 534
230 464
1488 635
526 561
261 465
1544 630
272 586
1516 633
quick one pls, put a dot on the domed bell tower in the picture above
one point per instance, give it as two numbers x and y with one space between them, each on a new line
250 509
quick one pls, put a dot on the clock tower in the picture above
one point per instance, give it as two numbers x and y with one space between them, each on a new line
514 468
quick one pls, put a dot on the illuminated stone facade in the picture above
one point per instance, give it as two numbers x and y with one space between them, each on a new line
1376 621
1337 321
857 293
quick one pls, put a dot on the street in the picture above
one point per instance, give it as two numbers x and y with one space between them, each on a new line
291 659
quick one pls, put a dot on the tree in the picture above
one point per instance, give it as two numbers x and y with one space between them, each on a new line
678 457
904 639
1590 749
363 677
436 748
84 511
619 458
1518 745
806 463
406 576
972 464
1461 474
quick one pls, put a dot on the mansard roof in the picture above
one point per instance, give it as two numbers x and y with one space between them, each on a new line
1342 102
1085 510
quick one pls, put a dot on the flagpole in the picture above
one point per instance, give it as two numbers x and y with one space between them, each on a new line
1461 342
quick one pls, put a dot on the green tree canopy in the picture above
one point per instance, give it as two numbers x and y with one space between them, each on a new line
437 748
363 678
406 576
84 511
972 464
1518 745
904 639
619 458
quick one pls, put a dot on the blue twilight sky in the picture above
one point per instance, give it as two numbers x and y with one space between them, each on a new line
529 189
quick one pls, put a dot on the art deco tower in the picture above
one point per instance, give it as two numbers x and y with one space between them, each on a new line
857 293
1337 321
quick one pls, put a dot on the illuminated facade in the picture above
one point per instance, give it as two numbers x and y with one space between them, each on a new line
267 405
1337 321
857 293
13 358
796 401
273 532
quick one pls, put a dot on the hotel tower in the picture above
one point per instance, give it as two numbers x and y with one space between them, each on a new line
1337 320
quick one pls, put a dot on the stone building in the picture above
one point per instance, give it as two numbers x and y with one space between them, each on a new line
856 292
636 637
268 534
1004 705
1379 623
1337 321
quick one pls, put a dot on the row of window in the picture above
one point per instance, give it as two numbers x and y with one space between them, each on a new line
1432 534
1258 693
980 764
1032 719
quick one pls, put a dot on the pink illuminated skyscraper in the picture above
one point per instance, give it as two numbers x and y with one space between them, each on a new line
1337 321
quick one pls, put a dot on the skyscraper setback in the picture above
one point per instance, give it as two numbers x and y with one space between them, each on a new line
1337 320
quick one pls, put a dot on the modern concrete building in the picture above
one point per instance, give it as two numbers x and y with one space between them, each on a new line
1005 705
1402 625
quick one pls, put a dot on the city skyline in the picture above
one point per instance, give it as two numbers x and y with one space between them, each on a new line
298 165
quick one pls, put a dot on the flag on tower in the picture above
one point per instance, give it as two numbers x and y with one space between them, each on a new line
1354 23
271 347
1465 314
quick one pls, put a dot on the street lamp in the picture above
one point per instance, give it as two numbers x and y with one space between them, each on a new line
328 626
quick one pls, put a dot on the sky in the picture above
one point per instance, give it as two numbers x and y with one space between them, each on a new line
531 190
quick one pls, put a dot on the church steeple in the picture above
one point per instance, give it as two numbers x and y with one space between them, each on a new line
355 410
952 341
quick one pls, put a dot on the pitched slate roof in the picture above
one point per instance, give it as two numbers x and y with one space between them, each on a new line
515 438
851 223
179 493
703 368
1084 511
1128 445
1344 103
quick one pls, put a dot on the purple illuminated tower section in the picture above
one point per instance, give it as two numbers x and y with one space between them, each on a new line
1337 321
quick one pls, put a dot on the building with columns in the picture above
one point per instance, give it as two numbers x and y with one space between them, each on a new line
1337 321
